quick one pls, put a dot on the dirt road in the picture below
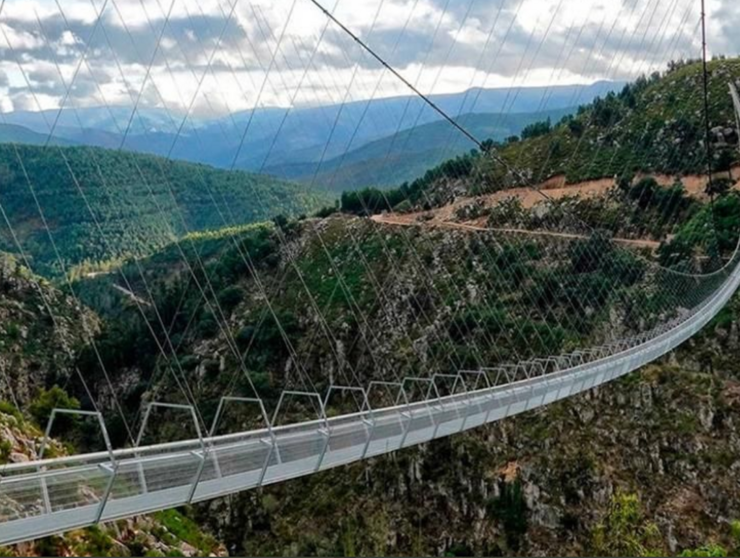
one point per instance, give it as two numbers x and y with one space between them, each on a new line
410 221
554 188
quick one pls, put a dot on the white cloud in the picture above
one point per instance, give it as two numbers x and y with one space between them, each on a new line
533 42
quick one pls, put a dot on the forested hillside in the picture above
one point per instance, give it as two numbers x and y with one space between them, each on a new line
102 205
410 153
654 125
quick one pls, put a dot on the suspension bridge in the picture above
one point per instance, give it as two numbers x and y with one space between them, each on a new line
55 495
52 495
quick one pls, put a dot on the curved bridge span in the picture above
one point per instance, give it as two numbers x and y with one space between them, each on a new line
55 495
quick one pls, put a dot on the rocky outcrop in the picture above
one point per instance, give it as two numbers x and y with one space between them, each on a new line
41 333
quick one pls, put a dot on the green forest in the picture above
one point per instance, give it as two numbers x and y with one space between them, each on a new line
81 206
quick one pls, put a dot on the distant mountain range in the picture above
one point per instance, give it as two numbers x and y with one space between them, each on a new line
291 143
407 155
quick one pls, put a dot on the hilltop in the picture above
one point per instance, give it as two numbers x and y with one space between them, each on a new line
289 143
405 155
655 124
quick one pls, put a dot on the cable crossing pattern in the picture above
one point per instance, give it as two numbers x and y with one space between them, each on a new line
56 495
478 375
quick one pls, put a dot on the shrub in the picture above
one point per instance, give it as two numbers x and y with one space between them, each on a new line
7 408
708 550
5 449
185 529
46 401
576 127
589 255
719 186
230 297
624 531
207 326
327 211
404 207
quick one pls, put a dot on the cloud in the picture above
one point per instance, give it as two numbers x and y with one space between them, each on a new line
443 45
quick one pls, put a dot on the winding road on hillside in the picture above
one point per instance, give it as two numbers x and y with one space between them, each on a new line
412 219
554 188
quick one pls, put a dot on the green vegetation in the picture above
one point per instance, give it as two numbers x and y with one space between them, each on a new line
537 129
103 205
46 401
371 200
712 230
511 510
182 528
654 125
625 531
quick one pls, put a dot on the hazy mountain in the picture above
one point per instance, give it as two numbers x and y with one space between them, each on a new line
276 137
408 154
11 133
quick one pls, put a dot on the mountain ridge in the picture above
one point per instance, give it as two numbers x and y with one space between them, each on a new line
304 130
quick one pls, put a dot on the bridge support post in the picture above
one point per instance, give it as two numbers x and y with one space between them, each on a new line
217 419
479 374
323 431
369 426
401 396
432 387
112 468
201 456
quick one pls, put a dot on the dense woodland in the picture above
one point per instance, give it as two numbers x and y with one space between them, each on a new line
103 205
654 125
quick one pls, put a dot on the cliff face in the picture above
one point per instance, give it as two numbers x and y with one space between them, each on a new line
41 333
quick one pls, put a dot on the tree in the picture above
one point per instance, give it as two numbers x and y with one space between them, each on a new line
537 129
48 400
576 127
487 145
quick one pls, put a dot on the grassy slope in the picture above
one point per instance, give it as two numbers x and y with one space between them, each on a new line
140 201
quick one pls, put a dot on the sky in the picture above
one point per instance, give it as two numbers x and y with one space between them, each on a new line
206 58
